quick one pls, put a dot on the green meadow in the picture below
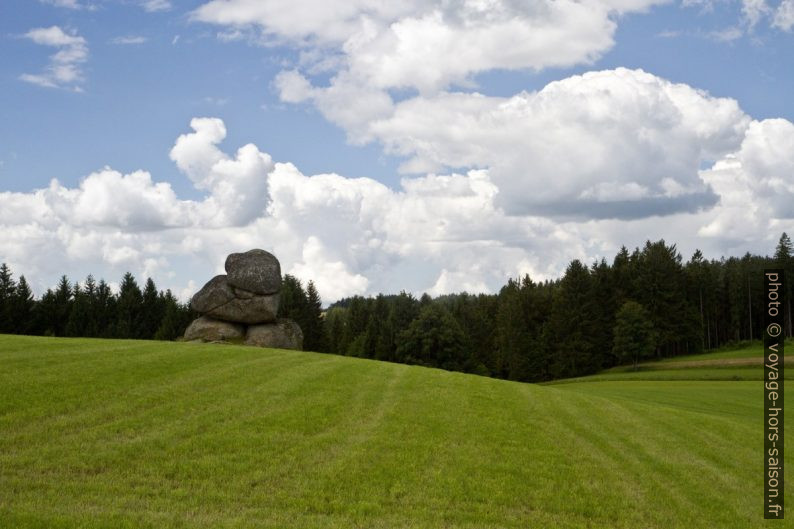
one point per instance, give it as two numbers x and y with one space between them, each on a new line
114 433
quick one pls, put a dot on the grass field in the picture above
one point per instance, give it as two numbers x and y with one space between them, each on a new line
111 433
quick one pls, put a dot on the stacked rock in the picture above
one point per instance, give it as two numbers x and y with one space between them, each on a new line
243 305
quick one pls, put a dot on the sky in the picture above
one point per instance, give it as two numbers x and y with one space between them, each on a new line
372 146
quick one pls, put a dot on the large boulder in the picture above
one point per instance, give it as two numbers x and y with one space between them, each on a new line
210 330
258 309
256 271
215 293
284 334
219 300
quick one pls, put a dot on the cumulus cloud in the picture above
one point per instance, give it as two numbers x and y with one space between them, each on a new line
237 186
755 184
436 233
428 45
612 144
64 69
621 143
108 198
351 236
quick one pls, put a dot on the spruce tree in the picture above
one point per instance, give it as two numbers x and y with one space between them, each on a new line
152 311
23 306
128 310
105 310
91 328
634 334
78 315
63 305
313 332
169 327
7 289
568 333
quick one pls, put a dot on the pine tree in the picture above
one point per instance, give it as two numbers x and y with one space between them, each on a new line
46 314
105 311
91 327
660 287
78 315
376 335
292 303
152 311
63 305
128 310
7 289
634 335
784 250
313 331
169 328
335 322
434 338
569 330
357 320
23 306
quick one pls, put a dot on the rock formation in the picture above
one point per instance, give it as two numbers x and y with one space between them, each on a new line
243 305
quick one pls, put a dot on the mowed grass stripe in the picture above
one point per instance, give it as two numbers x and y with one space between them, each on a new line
148 434
680 457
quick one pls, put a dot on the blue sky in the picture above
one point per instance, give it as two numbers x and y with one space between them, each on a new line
466 141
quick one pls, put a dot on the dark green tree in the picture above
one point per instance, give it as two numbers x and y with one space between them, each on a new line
152 311
434 338
128 308
79 313
170 327
47 316
22 308
312 320
7 290
64 295
403 310
105 310
569 329
635 338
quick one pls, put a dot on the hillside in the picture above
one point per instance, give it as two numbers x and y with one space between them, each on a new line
113 433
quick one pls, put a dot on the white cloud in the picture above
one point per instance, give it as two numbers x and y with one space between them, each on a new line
620 143
438 233
755 184
784 15
129 40
109 199
754 10
237 186
156 5
429 45
69 4
331 277
64 69
602 144
726 35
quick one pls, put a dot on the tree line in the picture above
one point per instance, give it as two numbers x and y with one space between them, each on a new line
91 309
647 303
